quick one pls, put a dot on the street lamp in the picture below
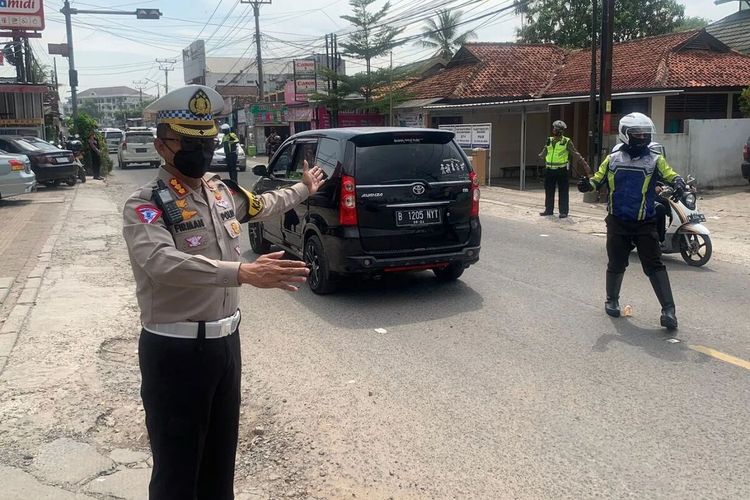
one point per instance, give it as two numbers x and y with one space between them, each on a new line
67 11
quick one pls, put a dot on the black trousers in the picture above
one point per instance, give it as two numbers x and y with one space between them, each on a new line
623 236
556 177
232 165
96 165
191 393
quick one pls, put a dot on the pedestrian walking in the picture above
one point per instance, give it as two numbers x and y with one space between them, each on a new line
556 154
182 231
230 141
631 173
96 159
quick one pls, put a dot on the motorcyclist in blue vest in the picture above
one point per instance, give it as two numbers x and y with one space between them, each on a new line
631 173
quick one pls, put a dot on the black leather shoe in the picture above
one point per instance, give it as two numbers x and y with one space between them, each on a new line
545 213
563 216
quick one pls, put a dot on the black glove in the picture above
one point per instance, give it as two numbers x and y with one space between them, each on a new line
584 185
679 187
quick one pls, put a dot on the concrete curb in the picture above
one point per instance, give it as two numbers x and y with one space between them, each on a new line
26 301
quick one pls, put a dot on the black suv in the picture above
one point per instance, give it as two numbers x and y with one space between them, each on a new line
395 199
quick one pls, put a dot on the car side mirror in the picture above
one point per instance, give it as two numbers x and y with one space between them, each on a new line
260 170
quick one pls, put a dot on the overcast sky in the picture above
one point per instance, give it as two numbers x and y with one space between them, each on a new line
118 50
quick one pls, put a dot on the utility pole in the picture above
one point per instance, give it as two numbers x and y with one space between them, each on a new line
166 65
139 85
593 130
390 95
605 76
67 11
256 12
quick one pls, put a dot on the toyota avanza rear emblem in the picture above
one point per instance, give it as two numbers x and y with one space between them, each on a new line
418 189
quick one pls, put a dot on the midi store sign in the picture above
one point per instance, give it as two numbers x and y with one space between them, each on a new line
22 15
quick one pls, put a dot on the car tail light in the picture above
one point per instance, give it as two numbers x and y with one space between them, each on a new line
746 152
348 202
474 194
16 165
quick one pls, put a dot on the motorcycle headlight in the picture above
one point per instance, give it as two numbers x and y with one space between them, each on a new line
688 199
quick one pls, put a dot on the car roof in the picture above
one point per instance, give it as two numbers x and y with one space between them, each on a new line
351 132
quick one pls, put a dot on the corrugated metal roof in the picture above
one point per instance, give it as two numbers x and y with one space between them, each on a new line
733 30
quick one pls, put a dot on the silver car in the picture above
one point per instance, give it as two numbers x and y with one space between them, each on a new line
16 176
219 161
138 148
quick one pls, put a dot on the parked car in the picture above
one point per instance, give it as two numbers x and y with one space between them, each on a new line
16 176
219 161
137 147
395 199
746 160
51 165
114 137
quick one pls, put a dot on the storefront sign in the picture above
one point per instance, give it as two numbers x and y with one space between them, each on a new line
474 135
350 119
268 113
305 79
22 15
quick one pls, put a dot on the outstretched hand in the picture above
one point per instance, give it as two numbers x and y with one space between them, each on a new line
271 271
312 177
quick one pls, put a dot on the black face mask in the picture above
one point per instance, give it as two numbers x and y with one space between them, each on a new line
193 163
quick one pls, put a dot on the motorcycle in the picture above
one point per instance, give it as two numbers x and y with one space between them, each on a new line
685 232
76 147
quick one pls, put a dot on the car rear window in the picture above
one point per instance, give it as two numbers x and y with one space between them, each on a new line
428 162
44 146
26 146
113 135
140 138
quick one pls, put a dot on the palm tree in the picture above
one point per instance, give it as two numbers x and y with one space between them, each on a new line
443 33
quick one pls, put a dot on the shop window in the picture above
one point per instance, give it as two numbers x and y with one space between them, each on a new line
622 107
692 107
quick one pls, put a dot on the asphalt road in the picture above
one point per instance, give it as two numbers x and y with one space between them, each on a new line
512 382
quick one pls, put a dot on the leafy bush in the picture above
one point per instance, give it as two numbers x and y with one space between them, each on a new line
82 125
745 102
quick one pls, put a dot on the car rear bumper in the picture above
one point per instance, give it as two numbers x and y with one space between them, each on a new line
14 185
367 263
60 172
746 169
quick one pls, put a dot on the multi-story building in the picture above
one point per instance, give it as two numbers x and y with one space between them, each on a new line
108 101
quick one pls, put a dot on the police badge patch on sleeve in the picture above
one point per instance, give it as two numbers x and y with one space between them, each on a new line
254 205
148 214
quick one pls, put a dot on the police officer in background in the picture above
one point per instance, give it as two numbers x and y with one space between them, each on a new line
182 231
556 154
230 141
631 173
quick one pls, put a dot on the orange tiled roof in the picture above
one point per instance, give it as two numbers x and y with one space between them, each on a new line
684 60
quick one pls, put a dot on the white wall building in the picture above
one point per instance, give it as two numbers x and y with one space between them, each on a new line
109 100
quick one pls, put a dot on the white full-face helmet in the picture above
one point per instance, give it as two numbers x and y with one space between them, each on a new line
225 129
635 124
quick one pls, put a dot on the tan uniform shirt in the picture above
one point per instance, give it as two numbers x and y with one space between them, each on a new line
189 272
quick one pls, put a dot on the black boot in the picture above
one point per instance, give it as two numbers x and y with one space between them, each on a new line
614 282
663 290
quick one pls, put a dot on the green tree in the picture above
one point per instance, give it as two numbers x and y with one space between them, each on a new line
692 23
90 109
442 34
568 22
82 125
122 114
371 38
745 102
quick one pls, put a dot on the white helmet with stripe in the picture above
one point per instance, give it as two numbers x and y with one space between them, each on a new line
635 124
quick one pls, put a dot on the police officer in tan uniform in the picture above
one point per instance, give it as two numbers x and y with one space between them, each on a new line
182 231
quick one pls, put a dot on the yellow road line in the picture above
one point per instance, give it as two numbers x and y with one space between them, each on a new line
727 358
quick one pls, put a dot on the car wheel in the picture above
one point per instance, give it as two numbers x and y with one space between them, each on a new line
257 242
123 165
319 280
450 273
71 181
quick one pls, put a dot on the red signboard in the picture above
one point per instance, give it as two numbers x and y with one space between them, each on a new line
22 15
349 119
